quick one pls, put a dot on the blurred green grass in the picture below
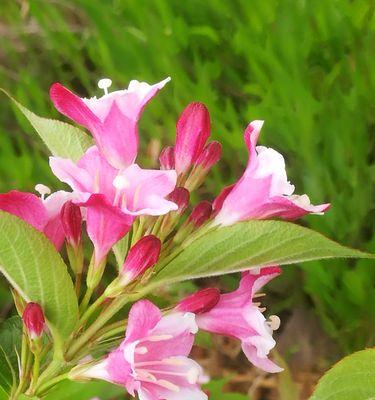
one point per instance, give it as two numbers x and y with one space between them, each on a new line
306 67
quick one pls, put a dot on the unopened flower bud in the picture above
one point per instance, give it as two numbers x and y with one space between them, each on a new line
33 319
201 213
209 156
71 219
202 301
181 197
143 255
193 130
166 158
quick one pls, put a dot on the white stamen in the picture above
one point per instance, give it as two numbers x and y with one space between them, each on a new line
42 190
104 84
274 322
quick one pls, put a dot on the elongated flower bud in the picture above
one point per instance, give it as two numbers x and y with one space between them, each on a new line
33 319
166 158
201 213
193 130
202 301
181 197
210 155
71 219
143 255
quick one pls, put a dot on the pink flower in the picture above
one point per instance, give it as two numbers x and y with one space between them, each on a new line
237 316
106 225
33 319
112 119
42 214
143 255
134 190
193 130
144 191
153 359
264 190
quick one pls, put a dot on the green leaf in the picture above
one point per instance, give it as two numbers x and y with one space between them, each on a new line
33 267
10 346
250 244
62 139
351 378
84 391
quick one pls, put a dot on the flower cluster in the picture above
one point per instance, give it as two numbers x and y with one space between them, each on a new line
113 197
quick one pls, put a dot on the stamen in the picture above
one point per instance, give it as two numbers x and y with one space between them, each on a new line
274 322
166 361
256 295
104 84
42 190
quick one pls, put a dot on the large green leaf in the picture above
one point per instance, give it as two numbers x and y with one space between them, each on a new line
352 378
32 266
62 139
10 346
250 244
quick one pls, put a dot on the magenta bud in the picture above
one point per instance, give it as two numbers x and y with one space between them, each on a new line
201 213
33 319
218 202
166 158
210 155
71 219
181 197
143 255
199 302
193 130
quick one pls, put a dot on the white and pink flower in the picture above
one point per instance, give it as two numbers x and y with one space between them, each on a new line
263 191
153 360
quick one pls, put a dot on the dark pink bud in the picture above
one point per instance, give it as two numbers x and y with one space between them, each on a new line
193 130
33 318
201 213
210 155
143 255
218 202
181 197
199 302
71 219
166 158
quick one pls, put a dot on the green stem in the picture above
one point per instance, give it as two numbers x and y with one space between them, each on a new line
97 324
87 314
86 300
52 382
25 355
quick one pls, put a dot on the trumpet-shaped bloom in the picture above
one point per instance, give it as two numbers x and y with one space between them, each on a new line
42 214
153 360
112 119
134 190
236 315
263 190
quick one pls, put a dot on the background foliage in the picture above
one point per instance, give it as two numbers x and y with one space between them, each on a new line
306 67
